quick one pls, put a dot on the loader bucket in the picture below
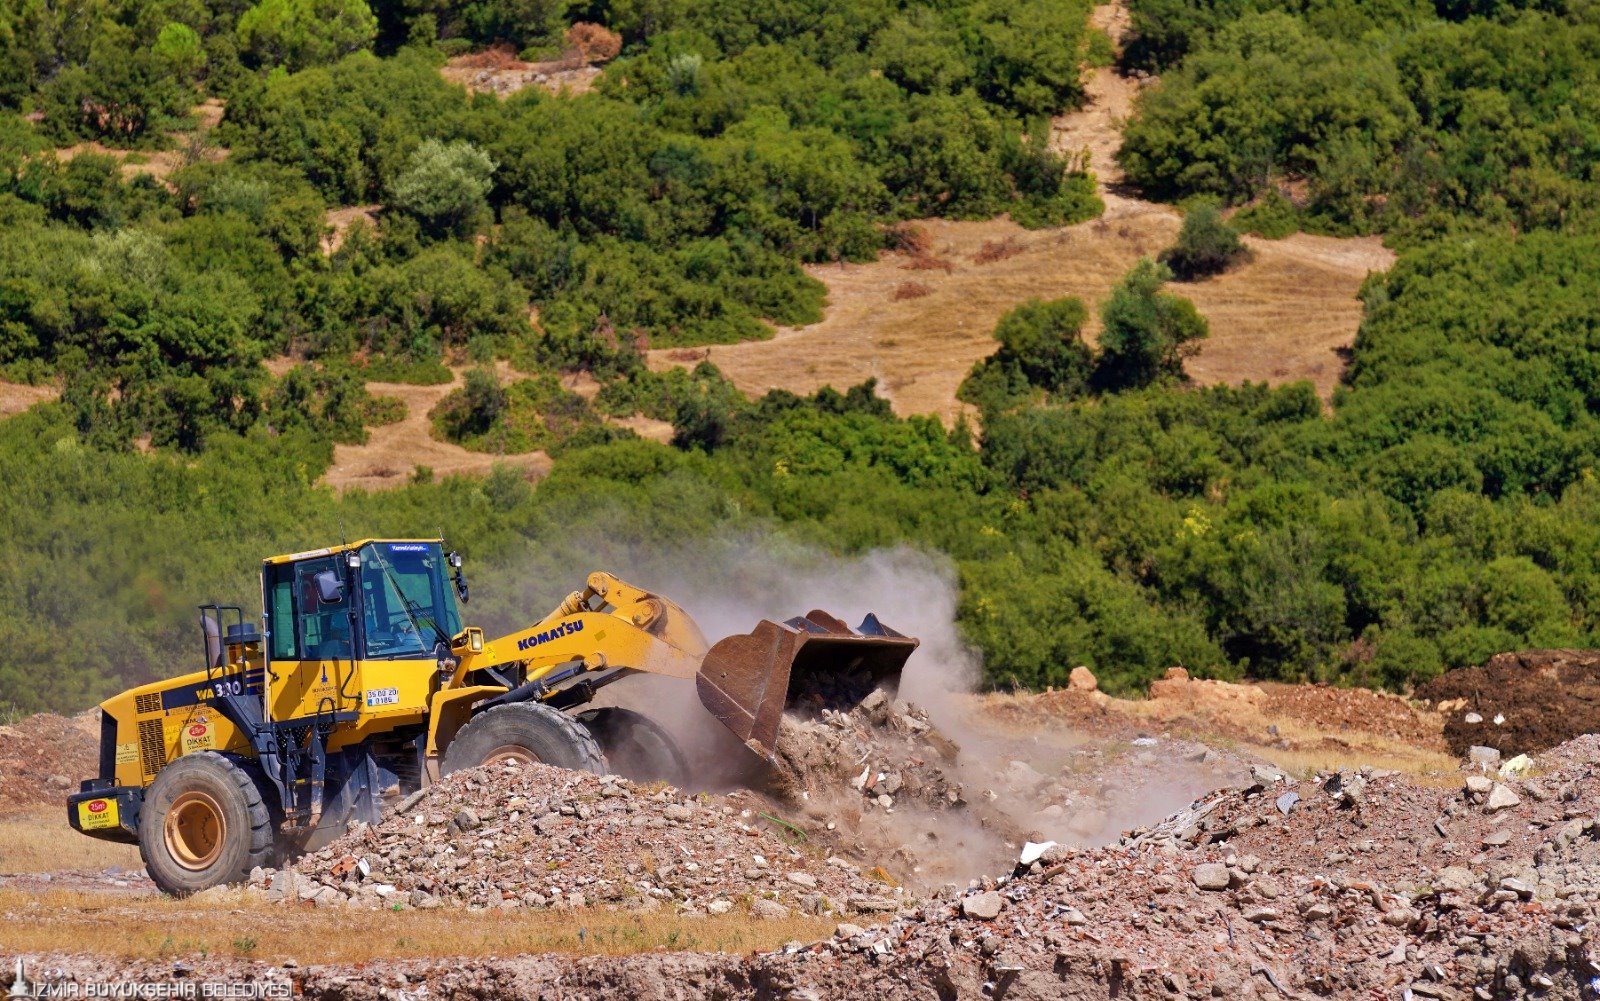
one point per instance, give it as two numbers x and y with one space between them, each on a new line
746 681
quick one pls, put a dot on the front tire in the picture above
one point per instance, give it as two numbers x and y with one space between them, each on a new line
637 747
203 824
525 732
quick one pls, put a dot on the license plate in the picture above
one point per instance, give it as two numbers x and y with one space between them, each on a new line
383 697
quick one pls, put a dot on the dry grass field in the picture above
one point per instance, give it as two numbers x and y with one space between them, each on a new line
224 924
39 840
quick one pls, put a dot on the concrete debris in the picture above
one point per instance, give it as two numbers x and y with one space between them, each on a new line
600 841
1519 765
1033 851
1501 798
984 906
1484 757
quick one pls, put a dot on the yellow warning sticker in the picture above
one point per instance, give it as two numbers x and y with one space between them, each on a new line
198 737
97 813
127 754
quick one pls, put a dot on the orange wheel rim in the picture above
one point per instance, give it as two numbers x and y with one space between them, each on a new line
195 831
511 752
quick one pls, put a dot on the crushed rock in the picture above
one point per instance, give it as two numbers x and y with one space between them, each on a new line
43 757
1347 896
534 836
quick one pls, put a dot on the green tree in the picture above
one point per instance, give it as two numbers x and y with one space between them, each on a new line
1146 332
178 47
1041 346
445 185
300 33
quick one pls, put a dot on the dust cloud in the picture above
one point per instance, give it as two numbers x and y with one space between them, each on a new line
1014 784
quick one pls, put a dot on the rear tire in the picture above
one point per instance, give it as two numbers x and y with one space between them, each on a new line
203 824
637 747
524 731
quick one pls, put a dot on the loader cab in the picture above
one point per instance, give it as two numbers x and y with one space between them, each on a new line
378 600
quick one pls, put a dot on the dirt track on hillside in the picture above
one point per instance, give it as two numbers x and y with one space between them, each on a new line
1286 315
394 451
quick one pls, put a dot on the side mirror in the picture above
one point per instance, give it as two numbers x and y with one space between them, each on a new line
330 589
454 559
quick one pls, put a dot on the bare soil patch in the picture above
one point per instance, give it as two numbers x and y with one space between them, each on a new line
394 451
159 164
16 397
1519 703
497 70
1301 728
340 220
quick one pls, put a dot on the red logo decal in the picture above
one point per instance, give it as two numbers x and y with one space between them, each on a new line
97 806
198 730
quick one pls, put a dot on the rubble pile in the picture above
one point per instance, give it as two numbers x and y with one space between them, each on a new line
878 778
883 748
1238 897
43 756
1358 884
1373 823
530 835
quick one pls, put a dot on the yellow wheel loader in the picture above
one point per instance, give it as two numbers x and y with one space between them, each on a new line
359 683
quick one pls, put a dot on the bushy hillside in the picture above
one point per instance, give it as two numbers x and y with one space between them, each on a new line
1105 512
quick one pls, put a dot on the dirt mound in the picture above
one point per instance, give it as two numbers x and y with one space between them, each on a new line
43 757
1520 702
1359 709
534 836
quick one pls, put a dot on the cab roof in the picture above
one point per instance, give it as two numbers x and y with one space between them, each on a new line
343 547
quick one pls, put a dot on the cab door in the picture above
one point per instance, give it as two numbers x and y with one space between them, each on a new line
314 662
398 584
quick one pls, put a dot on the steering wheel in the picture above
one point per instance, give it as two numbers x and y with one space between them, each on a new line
400 634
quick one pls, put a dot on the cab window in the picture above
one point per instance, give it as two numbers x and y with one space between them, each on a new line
324 627
303 627
280 612
407 606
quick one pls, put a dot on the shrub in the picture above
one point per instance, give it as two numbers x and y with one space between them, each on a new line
1146 332
1041 347
1206 245
1271 217
595 44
